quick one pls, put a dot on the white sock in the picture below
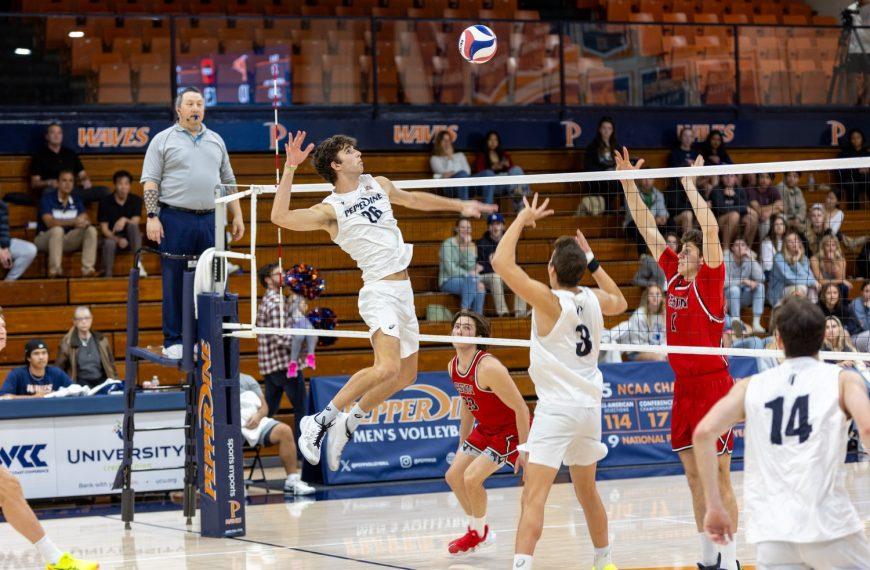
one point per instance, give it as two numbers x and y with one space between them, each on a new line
355 416
327 415
523 561
49 552
729 555
293 477
477 524
602 557
756 321
708 550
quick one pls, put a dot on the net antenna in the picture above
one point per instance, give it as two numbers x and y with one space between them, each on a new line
276 98
249 330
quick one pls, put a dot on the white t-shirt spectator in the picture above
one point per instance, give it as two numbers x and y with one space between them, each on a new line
441 164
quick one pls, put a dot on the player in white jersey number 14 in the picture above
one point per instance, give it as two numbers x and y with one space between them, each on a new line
358 216
798 511
563 364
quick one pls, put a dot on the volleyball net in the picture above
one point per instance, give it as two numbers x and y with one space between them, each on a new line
787 228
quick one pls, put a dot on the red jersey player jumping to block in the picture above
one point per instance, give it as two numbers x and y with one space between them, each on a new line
490 397
695 282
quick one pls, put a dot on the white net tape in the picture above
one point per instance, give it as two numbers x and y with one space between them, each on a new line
228 193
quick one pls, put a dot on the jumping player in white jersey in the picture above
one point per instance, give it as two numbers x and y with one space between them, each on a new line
566 336
358 215
798 511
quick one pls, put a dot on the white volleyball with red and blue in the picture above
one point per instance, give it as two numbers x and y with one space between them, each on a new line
477 44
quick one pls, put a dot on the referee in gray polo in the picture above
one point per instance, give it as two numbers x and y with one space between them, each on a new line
183 164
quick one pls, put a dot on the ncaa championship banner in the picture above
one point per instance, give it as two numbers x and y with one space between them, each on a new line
79 455
636 412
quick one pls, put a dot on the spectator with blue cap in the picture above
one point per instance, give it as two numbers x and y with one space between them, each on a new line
36 378
491 280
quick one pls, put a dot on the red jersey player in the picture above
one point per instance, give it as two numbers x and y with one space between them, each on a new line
490 398
695 280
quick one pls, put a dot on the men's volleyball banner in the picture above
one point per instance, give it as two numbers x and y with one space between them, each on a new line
415 433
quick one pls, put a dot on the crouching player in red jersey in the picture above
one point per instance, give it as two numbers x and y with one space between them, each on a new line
695 282
491 399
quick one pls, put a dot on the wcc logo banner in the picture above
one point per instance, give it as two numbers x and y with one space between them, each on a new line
413 435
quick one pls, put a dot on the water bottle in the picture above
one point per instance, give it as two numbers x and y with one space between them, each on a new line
155 381
811 181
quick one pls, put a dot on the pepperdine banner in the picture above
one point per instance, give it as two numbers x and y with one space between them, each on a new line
415 433
250 131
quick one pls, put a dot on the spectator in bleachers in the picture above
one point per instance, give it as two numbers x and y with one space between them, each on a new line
655 201
765 199
794 205
706 185
273 351
744 285
860 308
649 273
645 326
459 272
713 149
854 182
259 428
85 355
684 153
447 163
837 340
772 244
485 248
16 255
833 214
834 217
599 158
731 208
494 160
749 180
829 265
182 167
53 158
816 228
119 216
791 268
64 227
36 378
832 304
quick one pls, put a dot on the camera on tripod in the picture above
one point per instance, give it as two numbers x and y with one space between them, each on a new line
847 16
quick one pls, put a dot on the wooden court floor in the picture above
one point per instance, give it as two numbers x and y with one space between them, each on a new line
650 523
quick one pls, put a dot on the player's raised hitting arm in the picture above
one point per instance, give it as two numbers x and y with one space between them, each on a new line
712 252
428 202
318 217
727 412
643 218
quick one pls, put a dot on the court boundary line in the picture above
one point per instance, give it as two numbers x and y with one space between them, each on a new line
263 543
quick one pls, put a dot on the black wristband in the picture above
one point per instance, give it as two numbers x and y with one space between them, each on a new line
593 266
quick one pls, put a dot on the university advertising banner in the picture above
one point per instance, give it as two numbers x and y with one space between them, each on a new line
415 434
79 455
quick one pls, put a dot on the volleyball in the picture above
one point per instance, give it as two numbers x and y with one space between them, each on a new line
477 44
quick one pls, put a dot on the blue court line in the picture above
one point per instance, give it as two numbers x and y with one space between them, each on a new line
282 546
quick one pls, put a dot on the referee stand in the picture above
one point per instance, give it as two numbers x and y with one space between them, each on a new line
211 391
